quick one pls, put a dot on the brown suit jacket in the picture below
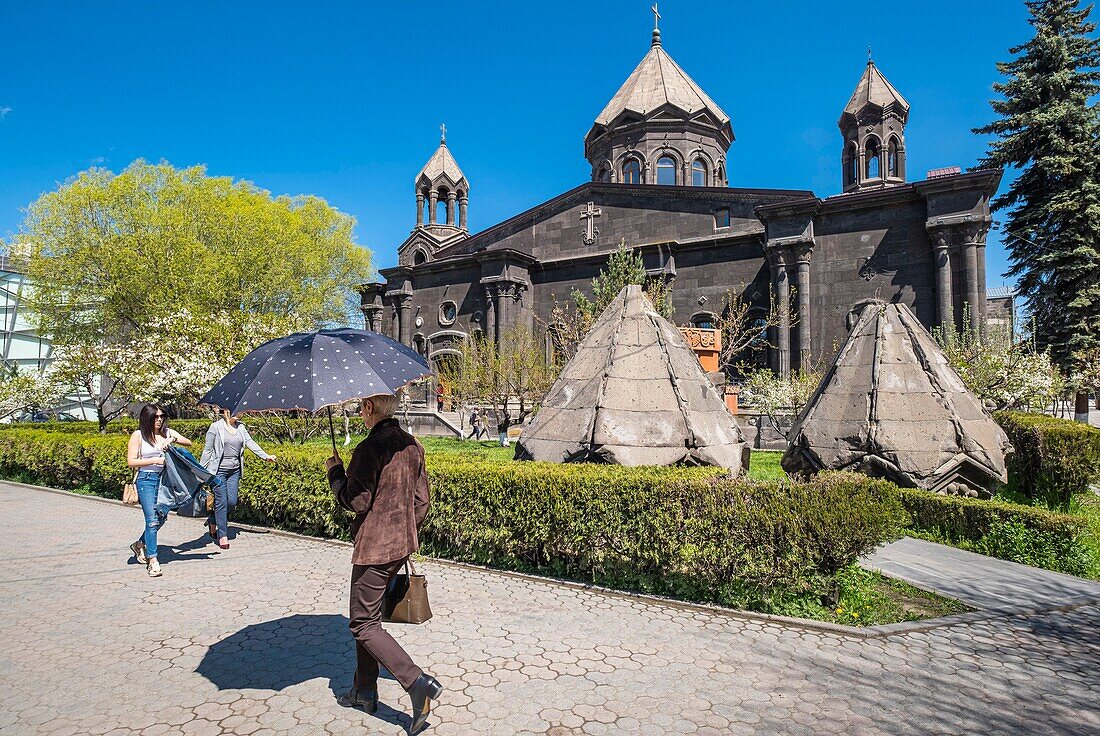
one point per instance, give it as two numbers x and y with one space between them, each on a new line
386 486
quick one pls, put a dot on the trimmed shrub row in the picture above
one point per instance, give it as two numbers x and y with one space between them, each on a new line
688 532
1054 459
1026 534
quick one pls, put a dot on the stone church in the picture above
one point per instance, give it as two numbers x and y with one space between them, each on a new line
658 154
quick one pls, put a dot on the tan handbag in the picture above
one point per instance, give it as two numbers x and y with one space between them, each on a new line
406 600
129 492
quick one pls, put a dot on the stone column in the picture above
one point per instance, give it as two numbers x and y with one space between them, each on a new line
783 300
462 203
975 241
970 253
404 319
373 314
803 308
502 297
450 208
419 208
941 242
433 199
490 313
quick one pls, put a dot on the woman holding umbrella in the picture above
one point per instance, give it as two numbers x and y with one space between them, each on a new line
386 487
385 484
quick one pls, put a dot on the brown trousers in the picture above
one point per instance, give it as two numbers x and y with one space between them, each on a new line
372 643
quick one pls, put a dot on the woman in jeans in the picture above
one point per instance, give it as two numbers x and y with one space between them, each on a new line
223 455
145 453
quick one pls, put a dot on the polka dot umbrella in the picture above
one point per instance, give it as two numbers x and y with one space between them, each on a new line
311 371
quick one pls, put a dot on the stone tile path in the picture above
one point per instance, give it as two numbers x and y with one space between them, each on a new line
981 582
254 640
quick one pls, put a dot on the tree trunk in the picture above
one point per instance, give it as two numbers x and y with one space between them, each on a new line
1081 407
101 418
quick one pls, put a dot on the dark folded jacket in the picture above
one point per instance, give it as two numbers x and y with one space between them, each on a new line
386 486
184 483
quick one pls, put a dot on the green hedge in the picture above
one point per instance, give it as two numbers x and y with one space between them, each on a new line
195 429
1054 458
1026 534
687 532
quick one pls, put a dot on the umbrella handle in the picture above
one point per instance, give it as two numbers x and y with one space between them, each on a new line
331 431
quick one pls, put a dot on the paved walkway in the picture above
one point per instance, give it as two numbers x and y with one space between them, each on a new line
982 582
254 640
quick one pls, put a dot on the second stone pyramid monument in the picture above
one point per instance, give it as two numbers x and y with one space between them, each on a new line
634 394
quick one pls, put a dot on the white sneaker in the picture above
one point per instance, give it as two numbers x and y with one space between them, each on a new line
153 568
138 548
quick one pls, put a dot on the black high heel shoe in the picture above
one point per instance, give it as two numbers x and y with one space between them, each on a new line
423 691
365 699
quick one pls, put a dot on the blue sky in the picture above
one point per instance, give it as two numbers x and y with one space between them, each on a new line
344 99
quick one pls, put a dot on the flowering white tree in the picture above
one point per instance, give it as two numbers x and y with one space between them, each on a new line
1002 373
28 390
775 396
175 360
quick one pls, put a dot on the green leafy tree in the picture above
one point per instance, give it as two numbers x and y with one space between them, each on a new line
108 253
569 324
1048 129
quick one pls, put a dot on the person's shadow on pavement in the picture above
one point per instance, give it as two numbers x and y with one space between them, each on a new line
277 654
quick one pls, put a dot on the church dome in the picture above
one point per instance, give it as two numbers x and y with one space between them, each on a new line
441 165
660 127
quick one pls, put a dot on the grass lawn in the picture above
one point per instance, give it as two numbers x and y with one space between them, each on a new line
764 465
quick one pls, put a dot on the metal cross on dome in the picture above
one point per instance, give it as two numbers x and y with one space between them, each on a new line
590 213
656 16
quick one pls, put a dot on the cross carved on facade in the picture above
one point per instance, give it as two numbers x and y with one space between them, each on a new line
590 213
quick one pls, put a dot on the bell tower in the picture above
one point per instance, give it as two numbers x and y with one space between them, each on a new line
873 126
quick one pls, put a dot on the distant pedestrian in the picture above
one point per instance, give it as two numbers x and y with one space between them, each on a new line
439 397
223 455
475 427
145 453
386 487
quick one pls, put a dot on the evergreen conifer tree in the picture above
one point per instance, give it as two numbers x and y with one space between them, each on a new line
1049 130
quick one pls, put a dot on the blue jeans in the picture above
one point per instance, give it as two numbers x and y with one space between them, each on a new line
147 485
225 499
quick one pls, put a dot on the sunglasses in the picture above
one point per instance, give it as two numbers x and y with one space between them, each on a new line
160 416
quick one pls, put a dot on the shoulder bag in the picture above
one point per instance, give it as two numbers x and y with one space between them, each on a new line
406 600
129 491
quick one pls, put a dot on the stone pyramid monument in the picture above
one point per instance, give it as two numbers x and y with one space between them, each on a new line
891 406
634 394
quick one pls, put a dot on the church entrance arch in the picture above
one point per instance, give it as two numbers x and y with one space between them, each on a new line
444 353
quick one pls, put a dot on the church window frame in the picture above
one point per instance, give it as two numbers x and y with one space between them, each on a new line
448 313
893 158
603 174
699 172
666 170
722 218
632 171
872 163
851 164
419 257
704 320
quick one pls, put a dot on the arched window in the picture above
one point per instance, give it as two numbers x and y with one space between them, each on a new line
871 170
632 172
603 174
698 173
704 320
892 158
850 156
666 170
419 257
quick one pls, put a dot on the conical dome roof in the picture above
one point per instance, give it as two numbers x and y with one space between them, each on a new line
874 89
892 406
657 81
442 163
634 394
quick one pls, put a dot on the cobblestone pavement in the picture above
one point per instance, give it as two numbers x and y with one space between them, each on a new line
255 640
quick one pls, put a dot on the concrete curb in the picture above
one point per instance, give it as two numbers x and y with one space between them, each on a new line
857 632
